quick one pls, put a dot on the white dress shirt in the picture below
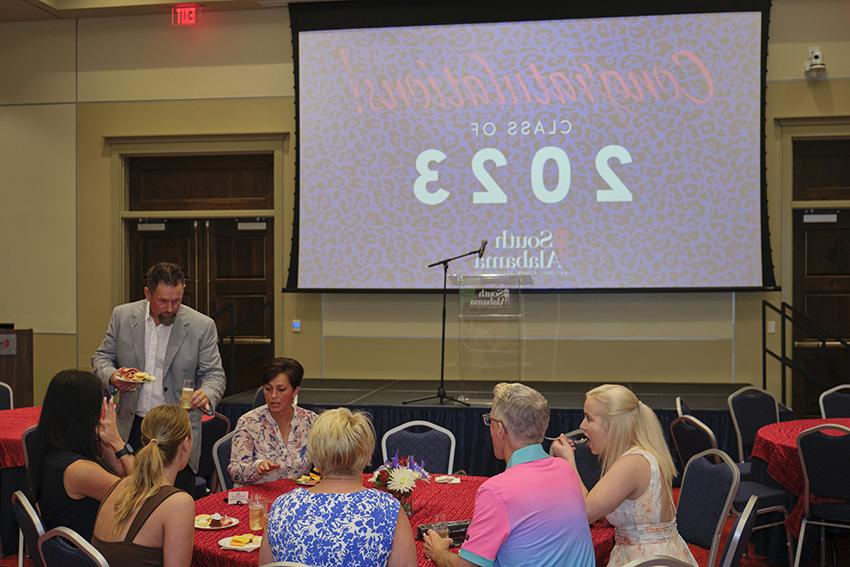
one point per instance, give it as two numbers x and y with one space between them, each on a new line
156 343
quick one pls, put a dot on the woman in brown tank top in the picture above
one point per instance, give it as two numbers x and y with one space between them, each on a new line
144 520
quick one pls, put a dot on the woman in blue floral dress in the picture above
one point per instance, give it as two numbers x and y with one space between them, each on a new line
339 523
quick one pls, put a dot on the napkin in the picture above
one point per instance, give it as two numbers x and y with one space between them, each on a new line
446 479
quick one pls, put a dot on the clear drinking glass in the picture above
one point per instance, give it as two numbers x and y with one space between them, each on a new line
256 512
186 393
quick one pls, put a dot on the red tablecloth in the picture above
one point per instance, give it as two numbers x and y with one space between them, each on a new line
13 423
776 444
454 501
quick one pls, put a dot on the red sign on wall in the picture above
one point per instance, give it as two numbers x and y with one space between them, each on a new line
185 15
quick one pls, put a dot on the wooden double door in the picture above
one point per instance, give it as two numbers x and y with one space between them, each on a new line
229 276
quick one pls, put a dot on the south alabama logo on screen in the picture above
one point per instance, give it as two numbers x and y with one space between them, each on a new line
539 252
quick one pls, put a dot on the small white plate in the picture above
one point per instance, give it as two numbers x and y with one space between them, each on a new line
225 544
233 522
122 379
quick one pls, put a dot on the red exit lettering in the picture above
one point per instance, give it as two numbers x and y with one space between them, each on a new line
184 15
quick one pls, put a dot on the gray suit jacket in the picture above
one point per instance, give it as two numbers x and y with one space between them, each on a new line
192 351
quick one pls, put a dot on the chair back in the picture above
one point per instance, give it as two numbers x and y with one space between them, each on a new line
835 402
690 436
29 523
681 407
825 460
7 397
739 537
259 398
751 409
430 443
708 489
27 439
657 561
63 546
211 431
221 457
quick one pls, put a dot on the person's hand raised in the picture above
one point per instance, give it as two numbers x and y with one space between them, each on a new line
564 448
107 428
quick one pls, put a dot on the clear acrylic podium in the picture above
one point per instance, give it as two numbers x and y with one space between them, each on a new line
491 328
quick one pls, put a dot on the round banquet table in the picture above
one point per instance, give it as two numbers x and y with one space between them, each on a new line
776 445
453 501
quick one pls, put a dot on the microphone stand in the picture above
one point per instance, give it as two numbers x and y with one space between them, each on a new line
441 389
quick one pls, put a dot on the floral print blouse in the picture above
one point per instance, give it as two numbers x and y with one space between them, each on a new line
258 438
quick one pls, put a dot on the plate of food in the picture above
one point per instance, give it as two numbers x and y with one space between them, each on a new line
214 521
311 479
244 542
134 376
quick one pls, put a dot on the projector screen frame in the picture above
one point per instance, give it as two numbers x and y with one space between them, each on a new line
321 16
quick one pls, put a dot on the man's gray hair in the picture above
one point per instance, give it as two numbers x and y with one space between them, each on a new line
524 411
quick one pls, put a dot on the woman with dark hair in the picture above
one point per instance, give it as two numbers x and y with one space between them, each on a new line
270 442
77 452
144 519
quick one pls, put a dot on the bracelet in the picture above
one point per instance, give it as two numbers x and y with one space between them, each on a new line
127 450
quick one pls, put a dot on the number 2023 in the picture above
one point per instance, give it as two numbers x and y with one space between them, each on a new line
617 191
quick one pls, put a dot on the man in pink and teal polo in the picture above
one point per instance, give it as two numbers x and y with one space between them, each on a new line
531 514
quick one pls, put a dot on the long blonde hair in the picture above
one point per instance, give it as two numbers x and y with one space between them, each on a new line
164 428
631 423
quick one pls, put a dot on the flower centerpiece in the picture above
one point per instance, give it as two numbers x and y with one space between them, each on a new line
398 476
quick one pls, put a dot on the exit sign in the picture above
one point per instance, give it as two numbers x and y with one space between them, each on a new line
185 14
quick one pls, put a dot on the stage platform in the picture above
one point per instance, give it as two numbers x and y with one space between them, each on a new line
383 399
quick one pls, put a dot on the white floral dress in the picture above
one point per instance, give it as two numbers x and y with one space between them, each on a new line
333 530
639 530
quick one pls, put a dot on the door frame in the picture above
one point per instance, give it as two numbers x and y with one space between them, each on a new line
788 130
119 148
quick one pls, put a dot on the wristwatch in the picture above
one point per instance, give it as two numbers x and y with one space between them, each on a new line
127 450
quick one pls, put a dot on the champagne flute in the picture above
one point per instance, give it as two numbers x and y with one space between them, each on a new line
187 393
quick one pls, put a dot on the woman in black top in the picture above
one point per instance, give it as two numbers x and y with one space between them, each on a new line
77 453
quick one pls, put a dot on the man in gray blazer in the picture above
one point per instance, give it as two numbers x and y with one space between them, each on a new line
169 340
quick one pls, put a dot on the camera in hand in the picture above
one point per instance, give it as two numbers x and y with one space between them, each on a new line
457 531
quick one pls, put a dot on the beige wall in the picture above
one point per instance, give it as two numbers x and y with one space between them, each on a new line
136 78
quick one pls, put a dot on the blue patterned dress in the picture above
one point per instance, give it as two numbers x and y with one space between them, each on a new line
333 530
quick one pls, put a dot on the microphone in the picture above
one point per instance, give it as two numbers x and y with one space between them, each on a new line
483 247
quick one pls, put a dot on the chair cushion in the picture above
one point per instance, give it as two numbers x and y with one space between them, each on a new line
837 512
767 495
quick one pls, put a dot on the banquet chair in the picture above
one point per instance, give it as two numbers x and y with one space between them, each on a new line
825 460
30 524
211 431
681 407
435 446
7 397
657 561
835 402
63 546
739 537
705 499
221 458
690 436
750 409
259 398
588 465
27 444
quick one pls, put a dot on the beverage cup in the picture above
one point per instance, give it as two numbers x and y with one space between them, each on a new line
256 512
187 393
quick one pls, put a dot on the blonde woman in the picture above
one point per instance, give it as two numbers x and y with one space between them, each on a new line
635 491
144 519
338 521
